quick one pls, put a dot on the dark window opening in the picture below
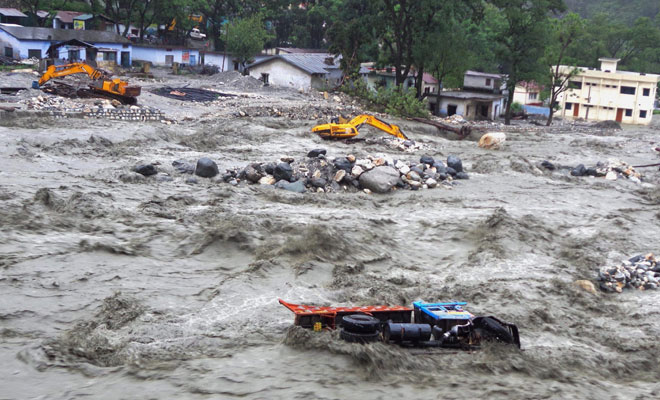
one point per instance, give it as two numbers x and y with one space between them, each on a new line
34 53
627 90
451 110
487 81
646 92
9 52
628 112
235 65
574 85
264 78
569 106
427 90
74 55
109 56
169 60
642 113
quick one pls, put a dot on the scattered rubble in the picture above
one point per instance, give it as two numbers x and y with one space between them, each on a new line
60 107
190 94
640 272
612 170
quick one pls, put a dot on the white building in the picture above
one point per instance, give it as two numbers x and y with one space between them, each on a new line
482 97
607 94
299 71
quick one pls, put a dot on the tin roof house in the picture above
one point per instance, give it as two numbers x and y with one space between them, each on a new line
303 71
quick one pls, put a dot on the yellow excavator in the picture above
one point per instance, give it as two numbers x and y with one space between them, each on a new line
102 84
341 128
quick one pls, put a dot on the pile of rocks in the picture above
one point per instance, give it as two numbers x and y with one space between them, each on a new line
612 170
374 174
640 272
61 107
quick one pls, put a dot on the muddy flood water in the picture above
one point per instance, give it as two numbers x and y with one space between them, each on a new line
115 286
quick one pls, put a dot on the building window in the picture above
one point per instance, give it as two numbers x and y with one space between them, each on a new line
575 85
9 52
264 78
533 96
642 113
74 55
109 56
487 81
569 106
646 92
628 112
427 90
34 53
169 59
627 90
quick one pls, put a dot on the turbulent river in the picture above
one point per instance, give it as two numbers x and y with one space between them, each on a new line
114 286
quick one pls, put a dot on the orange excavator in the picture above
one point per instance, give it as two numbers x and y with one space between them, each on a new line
102 82
340 128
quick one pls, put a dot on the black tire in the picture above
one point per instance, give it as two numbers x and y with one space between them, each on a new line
360 323
359 337
490 328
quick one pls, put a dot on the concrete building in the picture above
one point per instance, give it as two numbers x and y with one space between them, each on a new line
527 94
164 55
300 71
482 97
64 19
27 42
607 94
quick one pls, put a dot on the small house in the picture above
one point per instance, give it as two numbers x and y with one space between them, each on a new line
64 19
528 94
12 16
303 71
482 97
27 42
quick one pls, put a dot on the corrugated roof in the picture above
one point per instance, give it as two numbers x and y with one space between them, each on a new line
484 74
310 63
67 16
11 12
296 50
58 35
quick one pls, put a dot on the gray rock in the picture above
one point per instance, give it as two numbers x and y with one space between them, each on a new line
183 167
548 165
146 169
283 171
455 163
427 160
343 163
270 168
316 152
297 186
451 171
253 173
380 179
462 175
192 180
318 182
164 178
206 168
414 176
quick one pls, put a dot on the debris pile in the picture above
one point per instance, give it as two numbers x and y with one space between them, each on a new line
373 174
612 170
61 107
307 112
640 272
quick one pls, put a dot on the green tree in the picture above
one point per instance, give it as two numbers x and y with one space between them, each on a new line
523 40
246 37
564 33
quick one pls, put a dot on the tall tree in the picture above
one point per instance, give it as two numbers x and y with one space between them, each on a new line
563 34
246 38
523 40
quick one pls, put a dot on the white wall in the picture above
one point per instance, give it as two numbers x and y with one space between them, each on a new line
282 73
445 102
478 82
157 55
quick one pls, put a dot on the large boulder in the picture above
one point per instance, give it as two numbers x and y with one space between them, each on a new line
343 163
455 163
206 168
316 152
283 171
380 179
252 173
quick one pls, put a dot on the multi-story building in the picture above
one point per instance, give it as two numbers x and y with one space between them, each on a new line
607 94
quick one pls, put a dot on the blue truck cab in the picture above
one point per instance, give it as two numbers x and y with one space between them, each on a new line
442 315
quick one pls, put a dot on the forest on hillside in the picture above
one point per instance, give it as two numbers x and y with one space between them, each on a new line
626 11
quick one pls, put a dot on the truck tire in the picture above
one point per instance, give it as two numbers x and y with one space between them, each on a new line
360 323
359 337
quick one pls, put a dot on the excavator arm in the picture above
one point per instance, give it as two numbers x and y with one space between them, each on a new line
56 71
350 129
